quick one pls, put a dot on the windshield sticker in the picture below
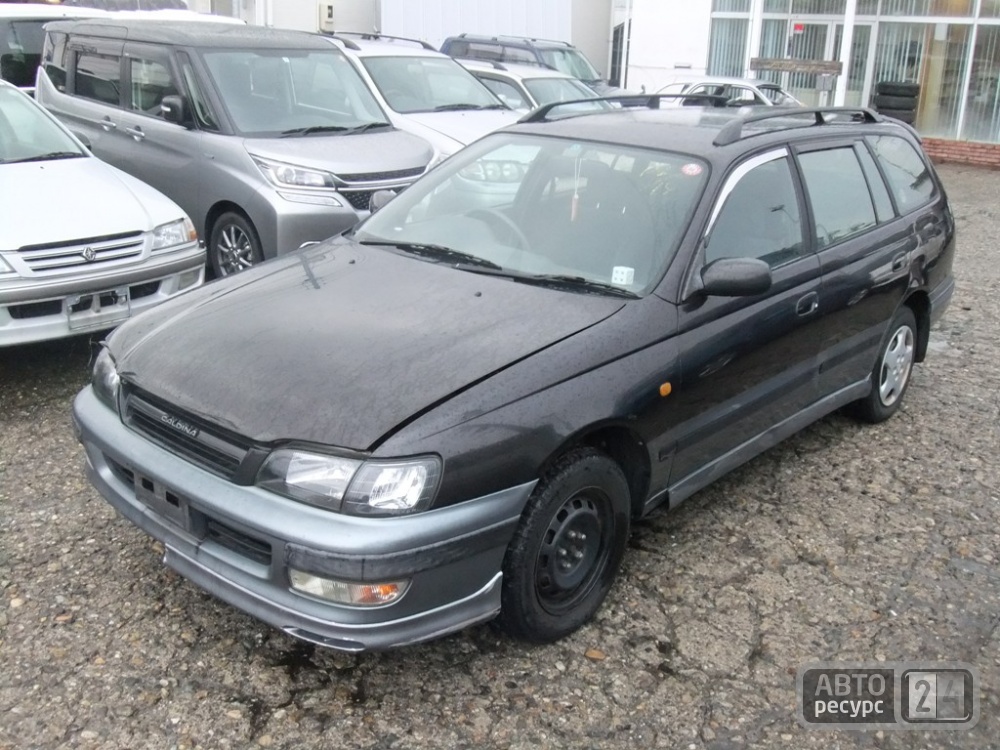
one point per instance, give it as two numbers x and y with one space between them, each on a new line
623 275
691 170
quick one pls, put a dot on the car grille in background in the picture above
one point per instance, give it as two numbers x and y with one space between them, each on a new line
360 199
378 176
358 189
90 252
198 441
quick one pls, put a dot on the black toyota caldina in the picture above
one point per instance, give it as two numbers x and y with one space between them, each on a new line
453 412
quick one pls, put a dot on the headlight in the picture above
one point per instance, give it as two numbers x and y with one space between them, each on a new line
288 175
370 488
494 171
178 232
105 379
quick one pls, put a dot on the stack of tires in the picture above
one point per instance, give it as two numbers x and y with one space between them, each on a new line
897 99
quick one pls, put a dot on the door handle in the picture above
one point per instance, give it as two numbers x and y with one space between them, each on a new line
807 304
899 261
108 125
136 133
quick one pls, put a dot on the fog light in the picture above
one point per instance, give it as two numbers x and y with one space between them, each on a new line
345 592
189 278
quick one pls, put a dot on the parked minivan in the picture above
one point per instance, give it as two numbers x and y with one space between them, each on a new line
267 138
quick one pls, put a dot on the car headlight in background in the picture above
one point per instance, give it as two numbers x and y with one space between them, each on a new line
494 171
348 485
289 175
180 232
105 379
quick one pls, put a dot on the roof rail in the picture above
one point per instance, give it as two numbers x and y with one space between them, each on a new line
375 36
733 131
346 42
501 37
646 101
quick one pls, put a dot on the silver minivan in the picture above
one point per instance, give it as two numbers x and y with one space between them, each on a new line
267 138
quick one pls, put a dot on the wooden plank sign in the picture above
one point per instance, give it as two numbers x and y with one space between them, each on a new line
789 65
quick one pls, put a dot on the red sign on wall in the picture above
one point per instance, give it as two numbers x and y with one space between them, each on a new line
799 28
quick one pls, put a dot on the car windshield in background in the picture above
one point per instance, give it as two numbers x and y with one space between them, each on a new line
20 50
548 90
778 96
26 134
570 61
291 92
602 218
428 84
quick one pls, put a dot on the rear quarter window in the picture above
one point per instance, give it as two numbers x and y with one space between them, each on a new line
909 178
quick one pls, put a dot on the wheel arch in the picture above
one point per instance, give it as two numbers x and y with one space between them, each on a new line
920 303
220 208
624 446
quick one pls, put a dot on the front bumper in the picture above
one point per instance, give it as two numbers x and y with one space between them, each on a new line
452 555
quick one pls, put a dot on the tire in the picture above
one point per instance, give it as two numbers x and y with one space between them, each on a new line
234 245
892 371
885 101
903 115
567 549
897 88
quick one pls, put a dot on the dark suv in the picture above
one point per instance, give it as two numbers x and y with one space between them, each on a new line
456 410
561 56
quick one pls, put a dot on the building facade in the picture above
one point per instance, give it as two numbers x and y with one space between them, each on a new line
950 47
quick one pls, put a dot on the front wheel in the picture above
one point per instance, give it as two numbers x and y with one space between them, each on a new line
567 549
234 245
891 375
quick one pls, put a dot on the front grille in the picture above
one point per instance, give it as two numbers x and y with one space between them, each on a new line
195 439
91 252
360 199
144 290
256 549
401 174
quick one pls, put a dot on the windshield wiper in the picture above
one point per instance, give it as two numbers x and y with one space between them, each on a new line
47 157
561 281
438 252
314 129
368 126
458 106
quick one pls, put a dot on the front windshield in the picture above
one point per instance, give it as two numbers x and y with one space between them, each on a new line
428 84
570 61
778 96
20 50
548 90
536 208
282 92
28 134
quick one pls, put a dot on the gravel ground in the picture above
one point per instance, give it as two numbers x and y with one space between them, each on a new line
843 543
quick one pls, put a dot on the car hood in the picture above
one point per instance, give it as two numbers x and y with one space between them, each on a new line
464 126
70 199
341 344
365 153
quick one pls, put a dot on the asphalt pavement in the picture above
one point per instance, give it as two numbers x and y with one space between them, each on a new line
844 543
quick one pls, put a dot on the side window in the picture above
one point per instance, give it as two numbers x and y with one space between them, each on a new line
838 193
908 176
760 218
507 92
98 77
54 59
484 51
880 194
150 82
199 104
742 97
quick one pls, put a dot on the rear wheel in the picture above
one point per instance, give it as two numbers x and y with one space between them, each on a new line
891 375
234 245
566 552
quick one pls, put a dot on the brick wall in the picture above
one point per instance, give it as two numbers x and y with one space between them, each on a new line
963 152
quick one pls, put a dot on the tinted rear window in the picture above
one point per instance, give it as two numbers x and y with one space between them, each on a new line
909 178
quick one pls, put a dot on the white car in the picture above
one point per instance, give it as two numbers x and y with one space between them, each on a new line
738 92
425 92
525 87
83 246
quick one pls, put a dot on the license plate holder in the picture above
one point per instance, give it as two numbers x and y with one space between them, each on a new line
162 501
96 310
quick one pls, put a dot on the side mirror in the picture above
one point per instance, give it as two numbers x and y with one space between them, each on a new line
380 198
84 140
736 277
174 109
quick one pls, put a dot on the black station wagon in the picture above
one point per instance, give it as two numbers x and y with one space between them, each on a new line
453 412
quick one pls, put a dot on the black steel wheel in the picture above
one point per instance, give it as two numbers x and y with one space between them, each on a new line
234 245
893 367
567 549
